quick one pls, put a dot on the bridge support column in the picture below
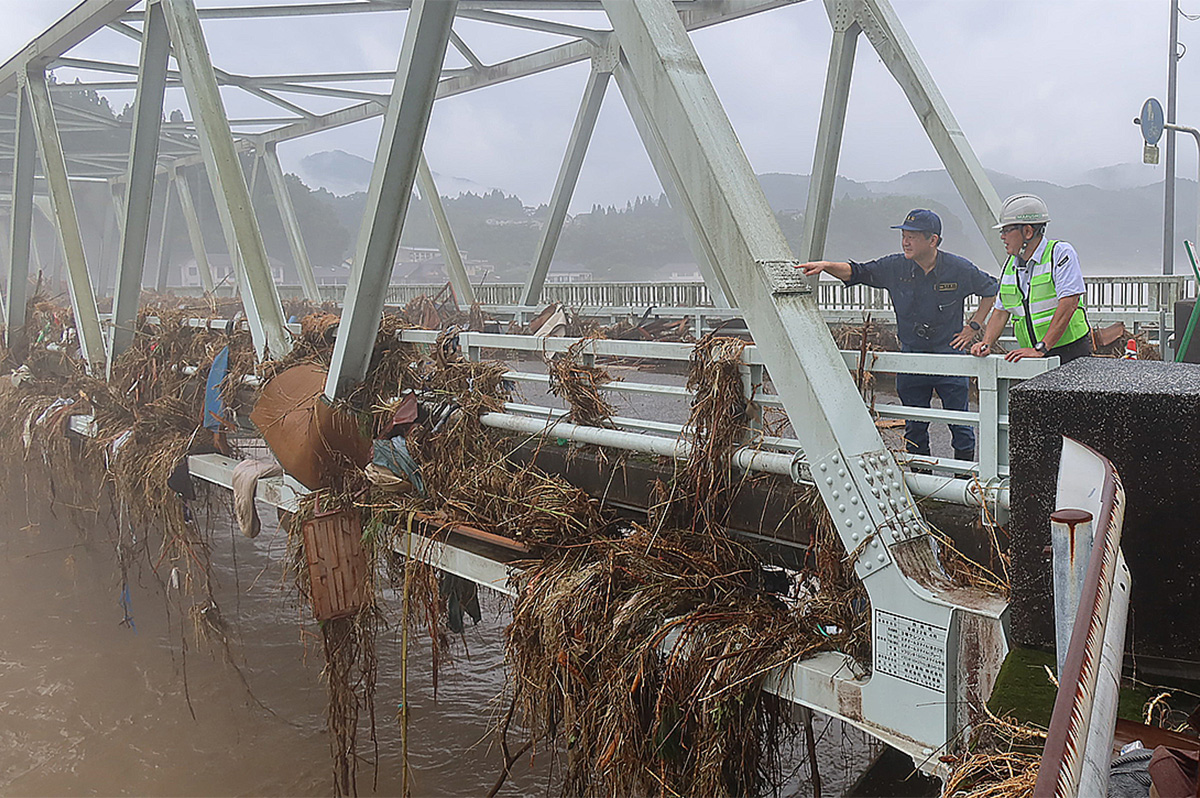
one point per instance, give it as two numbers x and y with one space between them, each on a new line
291 224
568 176
451 256
21 224
54 164
195 232
426 35
259 293
134 213
829 131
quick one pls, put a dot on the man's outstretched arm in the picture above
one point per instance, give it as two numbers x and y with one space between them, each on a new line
838 269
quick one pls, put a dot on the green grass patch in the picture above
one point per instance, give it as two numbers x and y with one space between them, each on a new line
1024 691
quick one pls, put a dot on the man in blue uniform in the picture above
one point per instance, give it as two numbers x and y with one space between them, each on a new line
927 287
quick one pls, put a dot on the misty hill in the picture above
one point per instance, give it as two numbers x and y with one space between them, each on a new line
1115 230
336 171
1123 175
342 173
1113 218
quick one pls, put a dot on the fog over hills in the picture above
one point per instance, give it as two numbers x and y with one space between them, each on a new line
1114 221
1113 215
342 173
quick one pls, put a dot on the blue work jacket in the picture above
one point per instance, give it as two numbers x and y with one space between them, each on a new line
929 307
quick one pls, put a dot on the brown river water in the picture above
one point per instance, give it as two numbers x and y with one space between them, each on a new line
92 706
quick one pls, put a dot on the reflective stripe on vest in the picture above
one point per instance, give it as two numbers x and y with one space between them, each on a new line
1043 301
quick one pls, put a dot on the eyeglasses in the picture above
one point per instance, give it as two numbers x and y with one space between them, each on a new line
1009 229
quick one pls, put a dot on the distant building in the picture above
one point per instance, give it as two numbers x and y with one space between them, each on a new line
581 276
338 274
222 271
678 273
417 254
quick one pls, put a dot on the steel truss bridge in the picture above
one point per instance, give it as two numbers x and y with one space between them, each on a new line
936 648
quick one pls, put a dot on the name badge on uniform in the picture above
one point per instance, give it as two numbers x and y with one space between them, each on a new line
947 287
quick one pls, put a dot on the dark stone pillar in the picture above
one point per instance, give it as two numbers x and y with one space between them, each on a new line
1144 416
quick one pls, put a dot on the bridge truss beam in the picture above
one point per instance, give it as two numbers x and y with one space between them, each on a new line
195 232
21 224
859 480
883 30
421 54
451 255
54 163
568 176
919 695
291 224
234 207
139 179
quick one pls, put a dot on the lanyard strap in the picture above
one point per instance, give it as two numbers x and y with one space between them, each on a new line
1025 299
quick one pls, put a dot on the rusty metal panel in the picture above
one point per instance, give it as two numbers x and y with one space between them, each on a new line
337 564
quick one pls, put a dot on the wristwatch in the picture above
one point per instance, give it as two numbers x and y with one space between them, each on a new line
974 325
1040 347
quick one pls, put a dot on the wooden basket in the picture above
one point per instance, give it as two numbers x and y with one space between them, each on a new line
337 564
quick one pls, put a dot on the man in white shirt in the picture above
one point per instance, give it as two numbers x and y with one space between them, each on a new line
1041 288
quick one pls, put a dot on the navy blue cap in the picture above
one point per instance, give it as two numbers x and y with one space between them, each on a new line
921 221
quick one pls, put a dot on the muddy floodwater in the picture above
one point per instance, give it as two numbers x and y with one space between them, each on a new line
104 691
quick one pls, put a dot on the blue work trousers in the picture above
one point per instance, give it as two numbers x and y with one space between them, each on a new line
916 390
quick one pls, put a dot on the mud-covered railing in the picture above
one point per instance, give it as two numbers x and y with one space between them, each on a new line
985 481
1078 751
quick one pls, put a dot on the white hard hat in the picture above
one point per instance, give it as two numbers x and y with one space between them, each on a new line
1023 209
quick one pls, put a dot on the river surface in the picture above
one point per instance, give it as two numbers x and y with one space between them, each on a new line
92 706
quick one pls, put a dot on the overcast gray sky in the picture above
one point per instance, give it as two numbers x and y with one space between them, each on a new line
1043 89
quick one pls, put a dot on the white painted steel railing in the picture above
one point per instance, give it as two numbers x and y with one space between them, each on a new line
1106 294
993 375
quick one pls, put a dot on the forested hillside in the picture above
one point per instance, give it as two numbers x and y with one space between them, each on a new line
1116 229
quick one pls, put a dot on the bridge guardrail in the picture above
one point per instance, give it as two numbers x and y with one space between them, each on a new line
1078 750
1105 294
995 377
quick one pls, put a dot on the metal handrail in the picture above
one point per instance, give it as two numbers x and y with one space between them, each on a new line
994 375
1105 294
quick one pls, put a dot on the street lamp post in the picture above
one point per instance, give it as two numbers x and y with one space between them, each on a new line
1196 135
1153 124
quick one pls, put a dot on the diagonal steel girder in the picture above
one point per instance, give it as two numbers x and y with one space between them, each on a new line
823 178
54 163
898 53
21 225
139 178
259 293
669 179
859 480
426 35
194 230
164 239
291 223
883 30
568 177
464 293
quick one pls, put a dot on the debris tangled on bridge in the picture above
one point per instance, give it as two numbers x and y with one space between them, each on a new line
638 651
680 581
